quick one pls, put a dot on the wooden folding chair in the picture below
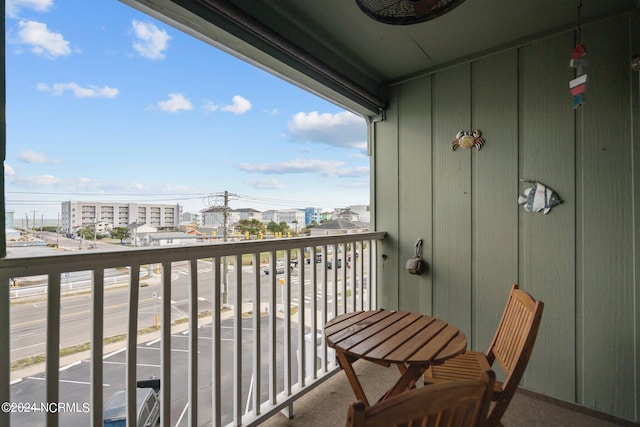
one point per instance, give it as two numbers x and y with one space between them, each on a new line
454 404
511 347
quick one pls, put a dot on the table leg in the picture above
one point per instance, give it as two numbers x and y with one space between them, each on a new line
346 362
410 374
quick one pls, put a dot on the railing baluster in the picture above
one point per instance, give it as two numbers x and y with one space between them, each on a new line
237 345
314 273
323 312
165 343
361 275
334 291
97 344
323 309
353 277
344 284
53 346
373 275
132 343
272 330
287 326
216 374
193 343
257 353
302 361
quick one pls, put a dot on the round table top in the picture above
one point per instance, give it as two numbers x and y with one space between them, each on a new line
394 337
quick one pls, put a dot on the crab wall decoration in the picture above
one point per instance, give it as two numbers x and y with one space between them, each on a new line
467 139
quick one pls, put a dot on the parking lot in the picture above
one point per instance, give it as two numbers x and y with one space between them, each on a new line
75 385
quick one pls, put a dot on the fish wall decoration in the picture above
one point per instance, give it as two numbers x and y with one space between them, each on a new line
538 198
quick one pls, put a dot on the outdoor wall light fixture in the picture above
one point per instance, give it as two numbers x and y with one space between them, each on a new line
405 12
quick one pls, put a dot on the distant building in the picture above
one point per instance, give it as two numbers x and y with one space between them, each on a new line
312 214
293 217
10 232
363 211
169 238
188 217
327 216
245 213
8 219
346 213
338 226
270 216
187 226
76 215
213 217
138 233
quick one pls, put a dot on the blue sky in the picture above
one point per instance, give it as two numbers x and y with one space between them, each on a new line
105 103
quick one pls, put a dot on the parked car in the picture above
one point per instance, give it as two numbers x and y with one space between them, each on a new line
280 265
330 264
148 407
318 259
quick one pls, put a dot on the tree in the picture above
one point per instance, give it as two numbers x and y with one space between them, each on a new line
86 233
120 233
277 228
252 226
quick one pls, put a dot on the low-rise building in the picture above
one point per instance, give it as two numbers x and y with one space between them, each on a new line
80 214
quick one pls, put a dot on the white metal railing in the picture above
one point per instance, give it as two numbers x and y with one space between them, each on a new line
343 280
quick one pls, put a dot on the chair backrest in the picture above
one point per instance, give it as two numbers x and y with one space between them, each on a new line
453 404
513 343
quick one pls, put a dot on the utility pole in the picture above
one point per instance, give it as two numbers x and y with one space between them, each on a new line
225 216
33 225
223 207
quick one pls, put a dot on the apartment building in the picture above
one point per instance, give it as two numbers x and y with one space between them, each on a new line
312 214
80 214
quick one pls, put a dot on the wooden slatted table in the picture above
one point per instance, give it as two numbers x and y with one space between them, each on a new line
409 340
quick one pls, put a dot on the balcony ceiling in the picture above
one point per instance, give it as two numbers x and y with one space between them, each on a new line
360 49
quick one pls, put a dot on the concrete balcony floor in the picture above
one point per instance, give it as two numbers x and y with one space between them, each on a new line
327 405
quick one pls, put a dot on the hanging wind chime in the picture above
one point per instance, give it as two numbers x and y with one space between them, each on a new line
579 84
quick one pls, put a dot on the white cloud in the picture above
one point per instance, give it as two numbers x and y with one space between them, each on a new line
8 170
239 105
77 184
42 41
175 103
34 157
13 7
34 181
326 168
343 129
265 184
151 42
79 91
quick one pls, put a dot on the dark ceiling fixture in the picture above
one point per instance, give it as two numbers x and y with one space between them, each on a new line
405 12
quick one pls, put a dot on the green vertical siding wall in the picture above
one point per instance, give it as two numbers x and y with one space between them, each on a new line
580 259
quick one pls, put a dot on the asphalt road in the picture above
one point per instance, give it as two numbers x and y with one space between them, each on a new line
28 319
